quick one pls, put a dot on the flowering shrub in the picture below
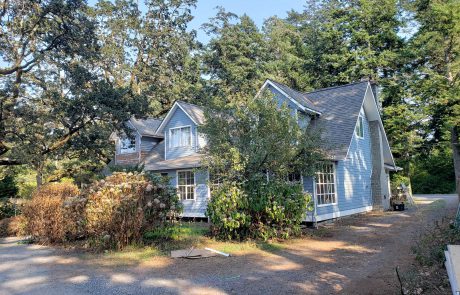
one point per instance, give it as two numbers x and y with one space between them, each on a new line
123 205
113 212
273 210
46 217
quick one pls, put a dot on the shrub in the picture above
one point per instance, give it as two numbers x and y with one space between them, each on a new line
273 210
8 187
12 226
121 207
8 209
47 218
228 211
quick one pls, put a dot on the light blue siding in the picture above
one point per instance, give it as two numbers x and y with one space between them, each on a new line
284 100
180 119
197 207
308 184
353 175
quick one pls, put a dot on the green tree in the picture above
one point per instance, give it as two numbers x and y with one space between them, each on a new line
253 148
150 52
54 105
436 80
235 57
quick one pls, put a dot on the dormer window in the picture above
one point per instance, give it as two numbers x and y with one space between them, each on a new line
127 145
179 137
360 127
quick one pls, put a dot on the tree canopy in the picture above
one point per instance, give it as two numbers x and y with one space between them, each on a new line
71 74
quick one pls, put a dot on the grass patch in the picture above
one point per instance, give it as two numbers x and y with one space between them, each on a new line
160 243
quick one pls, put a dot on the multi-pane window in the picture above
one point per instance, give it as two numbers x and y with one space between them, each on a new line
181 136
325 184
186 185
360 127
127 145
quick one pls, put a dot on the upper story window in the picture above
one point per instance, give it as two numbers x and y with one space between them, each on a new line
127 145
360 127
181 136
325 184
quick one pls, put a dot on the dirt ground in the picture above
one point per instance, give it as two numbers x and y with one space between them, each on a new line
356 255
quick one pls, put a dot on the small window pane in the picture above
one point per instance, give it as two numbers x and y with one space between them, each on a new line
325 184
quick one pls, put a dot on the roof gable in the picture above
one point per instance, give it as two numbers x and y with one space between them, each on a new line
297 97
194 112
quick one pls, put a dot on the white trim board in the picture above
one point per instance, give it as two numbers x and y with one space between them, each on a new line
337 214
168 116
185 214
303 108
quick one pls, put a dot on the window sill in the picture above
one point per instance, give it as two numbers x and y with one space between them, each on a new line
326 205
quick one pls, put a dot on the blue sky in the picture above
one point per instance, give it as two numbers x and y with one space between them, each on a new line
258 10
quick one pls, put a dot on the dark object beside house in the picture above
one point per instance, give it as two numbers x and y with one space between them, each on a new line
398 207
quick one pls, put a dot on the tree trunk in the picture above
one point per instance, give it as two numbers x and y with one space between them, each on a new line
39 179
456 155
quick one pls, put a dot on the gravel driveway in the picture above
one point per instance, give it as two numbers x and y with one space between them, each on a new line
357 255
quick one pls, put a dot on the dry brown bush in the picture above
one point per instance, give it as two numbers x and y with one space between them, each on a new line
47 217
123 205
12 226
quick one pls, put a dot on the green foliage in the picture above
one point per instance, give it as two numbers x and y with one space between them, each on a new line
272 210
253 147
235 57
8 187
434 173
8 209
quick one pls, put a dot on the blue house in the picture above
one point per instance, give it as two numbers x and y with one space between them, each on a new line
355 180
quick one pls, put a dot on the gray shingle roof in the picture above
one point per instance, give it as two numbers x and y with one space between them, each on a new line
341 106
298 96
155 160
146 127
194 111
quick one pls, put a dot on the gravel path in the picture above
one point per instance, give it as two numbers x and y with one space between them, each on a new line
357 255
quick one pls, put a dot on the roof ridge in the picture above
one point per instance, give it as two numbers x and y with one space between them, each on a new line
189 103
334 87
300 92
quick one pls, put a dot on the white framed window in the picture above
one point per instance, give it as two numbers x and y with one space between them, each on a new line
186 185
325 185
127 145
180 136
360 127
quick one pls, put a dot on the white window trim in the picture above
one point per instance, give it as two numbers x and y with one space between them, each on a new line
360 123
194 184
182 146
335 190
123 151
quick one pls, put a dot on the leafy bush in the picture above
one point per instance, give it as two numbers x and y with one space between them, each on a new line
273 210
8 187
8 209
124 205
47 217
